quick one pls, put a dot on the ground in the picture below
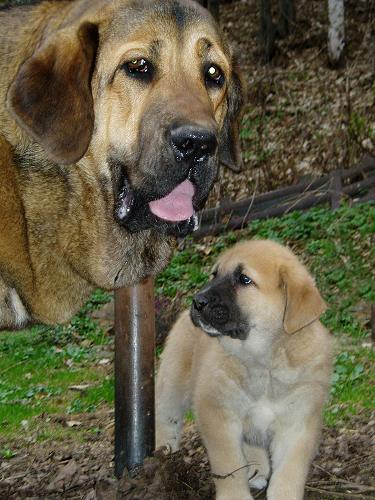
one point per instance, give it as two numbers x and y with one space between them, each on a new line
344 468
301 118
56 385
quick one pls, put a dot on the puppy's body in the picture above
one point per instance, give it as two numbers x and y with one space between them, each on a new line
106 107
255 398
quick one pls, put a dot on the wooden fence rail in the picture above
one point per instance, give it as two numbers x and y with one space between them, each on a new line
306 194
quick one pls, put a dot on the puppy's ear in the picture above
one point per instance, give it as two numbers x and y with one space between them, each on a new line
303 302
51 94
229 142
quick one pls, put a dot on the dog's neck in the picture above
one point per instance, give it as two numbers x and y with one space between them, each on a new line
258 348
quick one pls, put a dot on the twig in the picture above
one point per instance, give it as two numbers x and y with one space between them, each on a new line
354 486
16 476
259 493
251 203
335 494
317 466
218 476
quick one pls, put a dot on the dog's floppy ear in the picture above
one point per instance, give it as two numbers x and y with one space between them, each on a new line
51 94
229 141
303 302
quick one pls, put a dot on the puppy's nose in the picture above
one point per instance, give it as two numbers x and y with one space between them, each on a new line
200 302
192 143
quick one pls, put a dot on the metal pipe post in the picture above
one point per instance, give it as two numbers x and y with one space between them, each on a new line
134 375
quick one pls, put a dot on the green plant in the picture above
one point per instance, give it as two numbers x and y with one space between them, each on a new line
7 453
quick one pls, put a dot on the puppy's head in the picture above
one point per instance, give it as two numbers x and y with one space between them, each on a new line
145 89
257 287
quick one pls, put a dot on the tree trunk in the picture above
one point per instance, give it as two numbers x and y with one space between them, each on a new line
267 34
336 31
287 18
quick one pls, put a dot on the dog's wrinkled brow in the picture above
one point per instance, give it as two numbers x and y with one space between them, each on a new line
238 271
154 48
179 13
204 46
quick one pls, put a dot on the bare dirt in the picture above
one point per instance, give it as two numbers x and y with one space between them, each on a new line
344 468
301 118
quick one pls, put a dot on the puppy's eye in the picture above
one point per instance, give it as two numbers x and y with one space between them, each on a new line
214 273
245 280
139 68
213 76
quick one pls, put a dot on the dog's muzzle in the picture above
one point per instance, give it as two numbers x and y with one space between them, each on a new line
216 315
216 312
190 177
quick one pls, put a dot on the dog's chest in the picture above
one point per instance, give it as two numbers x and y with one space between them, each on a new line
261 410
267 393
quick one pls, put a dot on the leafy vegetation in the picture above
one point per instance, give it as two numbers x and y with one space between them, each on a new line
66 370
42 369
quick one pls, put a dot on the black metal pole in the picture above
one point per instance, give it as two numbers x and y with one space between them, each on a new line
134 375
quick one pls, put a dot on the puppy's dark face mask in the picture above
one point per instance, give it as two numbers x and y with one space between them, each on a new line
215 308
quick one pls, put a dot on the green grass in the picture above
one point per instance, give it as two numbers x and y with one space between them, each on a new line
39 366
353 387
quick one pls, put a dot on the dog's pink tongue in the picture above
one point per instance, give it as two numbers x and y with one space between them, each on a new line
177 205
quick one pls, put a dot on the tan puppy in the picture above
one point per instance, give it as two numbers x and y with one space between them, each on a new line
254 362
114 115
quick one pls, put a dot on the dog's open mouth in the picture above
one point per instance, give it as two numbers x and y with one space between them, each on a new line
173 213
176 206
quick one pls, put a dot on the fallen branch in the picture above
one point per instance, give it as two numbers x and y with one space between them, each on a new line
282 201
366 165
335 494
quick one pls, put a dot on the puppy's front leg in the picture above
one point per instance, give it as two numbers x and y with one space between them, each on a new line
170 407
292 451
259 469
222 434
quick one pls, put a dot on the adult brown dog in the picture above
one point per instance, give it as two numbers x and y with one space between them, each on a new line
254 362
113 116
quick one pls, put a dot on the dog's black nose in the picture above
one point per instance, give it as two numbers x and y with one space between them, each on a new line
192 143
200 302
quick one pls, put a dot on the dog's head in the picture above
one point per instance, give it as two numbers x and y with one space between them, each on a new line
260 288
146 87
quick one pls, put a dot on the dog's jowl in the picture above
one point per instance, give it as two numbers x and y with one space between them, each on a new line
254 362
114 116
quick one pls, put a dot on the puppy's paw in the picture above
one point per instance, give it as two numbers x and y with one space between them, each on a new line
258 482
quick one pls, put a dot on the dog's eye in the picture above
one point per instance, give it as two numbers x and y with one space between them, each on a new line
245 280
214 75
139 68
